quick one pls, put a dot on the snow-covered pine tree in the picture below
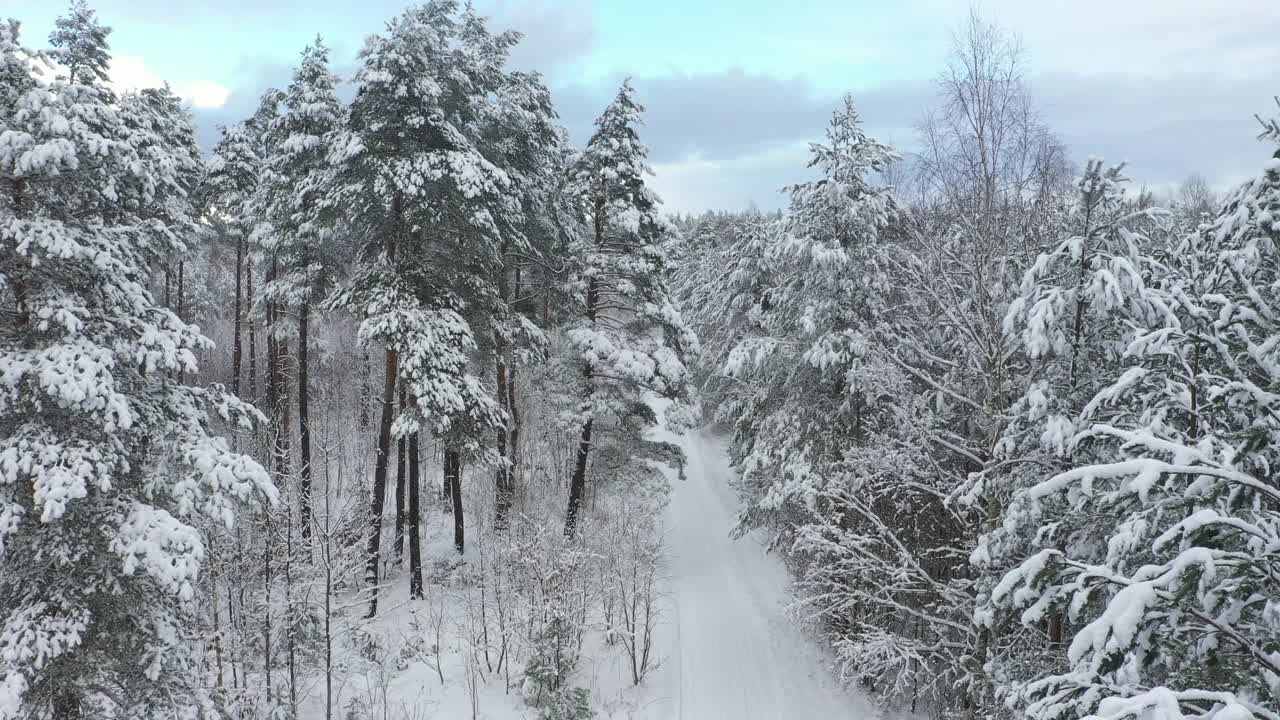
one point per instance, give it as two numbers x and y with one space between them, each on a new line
832 434
629 338
724 276
424 205
818 303
232 177
1171 585
1070 325
81 45
167 137
303 241
109 465
519 133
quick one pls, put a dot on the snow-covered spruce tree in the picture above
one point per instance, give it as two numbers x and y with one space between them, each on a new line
424 205
818 306
108 463
303 242
628 338
1171 586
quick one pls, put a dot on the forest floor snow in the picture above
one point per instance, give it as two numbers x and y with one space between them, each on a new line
726 645
730 648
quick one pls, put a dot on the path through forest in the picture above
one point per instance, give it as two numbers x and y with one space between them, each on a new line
729 647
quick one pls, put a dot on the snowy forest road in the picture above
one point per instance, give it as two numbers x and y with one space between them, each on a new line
729 647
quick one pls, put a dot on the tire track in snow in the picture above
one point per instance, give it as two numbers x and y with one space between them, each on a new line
737 653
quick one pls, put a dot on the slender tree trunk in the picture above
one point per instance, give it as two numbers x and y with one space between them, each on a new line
253 336
236 344
390 372
328 621
213 597
446 490
266 614
326 554
453 478
514 442
1055 628
578 484
269 325
415 518
304 424
1193 429
182 305
526 307
362 399
277 386
400 483
66 706
19 280
380 477
502 479
291 639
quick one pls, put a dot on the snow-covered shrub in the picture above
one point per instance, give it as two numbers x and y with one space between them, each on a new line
630 545
567 703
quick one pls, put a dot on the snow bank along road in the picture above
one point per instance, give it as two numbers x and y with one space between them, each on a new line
728 647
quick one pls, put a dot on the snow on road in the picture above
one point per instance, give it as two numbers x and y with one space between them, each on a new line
729 647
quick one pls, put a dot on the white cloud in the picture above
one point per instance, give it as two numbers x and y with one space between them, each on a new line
130 72
696 183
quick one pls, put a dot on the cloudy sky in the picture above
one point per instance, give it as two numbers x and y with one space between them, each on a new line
736 88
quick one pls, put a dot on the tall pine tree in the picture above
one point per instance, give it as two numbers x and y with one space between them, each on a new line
421 201
109 464
628 339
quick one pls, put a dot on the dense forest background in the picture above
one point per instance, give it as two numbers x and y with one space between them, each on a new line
376 394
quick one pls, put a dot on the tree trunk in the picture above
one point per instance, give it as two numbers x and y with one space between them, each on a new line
380 477
21 295
291 638
502 479
66 706
453 479
253 337
277 388
446 490
182 290
577 486
578 483
266 614
363 397
304 424
415 515
400 482
212 564
514 442
182 307
390 372
525 307
236 342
